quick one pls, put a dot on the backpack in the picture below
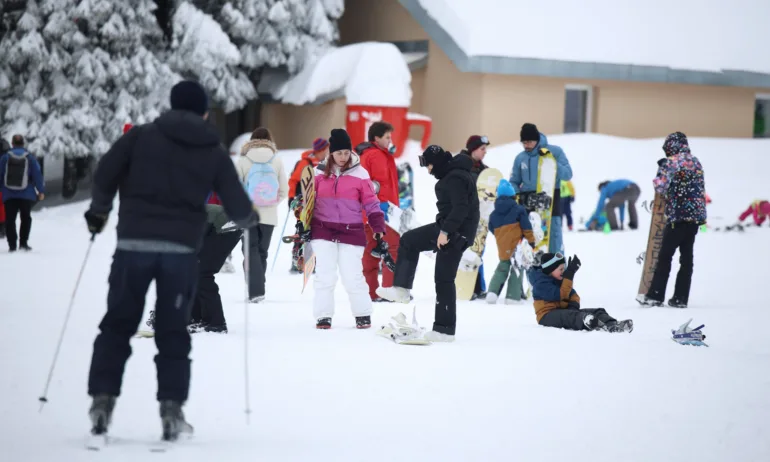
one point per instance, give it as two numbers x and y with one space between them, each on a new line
262 184
17 172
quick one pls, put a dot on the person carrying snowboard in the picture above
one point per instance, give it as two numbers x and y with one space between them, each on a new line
163 171
680 181
343 192
557 304
525 173
509 222
454 231
379 162
476 149
313 157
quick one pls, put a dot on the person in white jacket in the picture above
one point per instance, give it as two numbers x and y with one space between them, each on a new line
261 150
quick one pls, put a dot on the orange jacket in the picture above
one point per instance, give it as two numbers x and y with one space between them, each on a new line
307 159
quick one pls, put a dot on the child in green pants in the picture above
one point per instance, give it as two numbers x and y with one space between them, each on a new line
509 222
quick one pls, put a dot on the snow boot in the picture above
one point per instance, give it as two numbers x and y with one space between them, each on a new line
590 322
675 302
101 414
172 420
363 322
644 300
617 326
394 294
491 298
221 329
323 323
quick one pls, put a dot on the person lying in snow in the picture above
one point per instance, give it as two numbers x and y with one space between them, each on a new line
759 211
558 305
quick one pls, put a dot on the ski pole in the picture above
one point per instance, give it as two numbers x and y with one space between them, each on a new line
246 270
44 397
285 222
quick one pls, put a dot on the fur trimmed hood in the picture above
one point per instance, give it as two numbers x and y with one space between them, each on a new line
259 150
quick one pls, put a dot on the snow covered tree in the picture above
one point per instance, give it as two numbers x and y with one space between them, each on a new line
37 98
202 50
125 79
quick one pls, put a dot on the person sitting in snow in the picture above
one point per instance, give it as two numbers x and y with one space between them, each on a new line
557 304
509 222
759 210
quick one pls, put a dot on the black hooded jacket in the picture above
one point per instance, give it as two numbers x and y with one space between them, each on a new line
165 170
456 198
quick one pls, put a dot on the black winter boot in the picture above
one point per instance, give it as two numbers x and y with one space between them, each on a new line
323 323
675 302
172 419
101 414
363 322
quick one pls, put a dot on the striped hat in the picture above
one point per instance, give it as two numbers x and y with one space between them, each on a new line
319 144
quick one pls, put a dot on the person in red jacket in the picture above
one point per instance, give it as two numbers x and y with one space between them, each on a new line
759 210
379 162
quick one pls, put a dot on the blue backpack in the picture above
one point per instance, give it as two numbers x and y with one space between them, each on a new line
262 184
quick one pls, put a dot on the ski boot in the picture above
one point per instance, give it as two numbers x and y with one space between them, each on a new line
172 419
363 322
323 323
101 414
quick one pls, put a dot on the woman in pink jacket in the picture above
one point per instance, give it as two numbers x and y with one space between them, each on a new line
343 190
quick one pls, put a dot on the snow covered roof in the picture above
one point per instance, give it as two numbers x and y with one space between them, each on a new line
369 73
687 41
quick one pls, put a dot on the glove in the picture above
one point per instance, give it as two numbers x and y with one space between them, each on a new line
95 221
662 162
573 264
532 244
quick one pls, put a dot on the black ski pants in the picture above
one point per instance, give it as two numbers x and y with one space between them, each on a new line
676 236
447 260
207 307
175 275
628 195
259 243
23 209
573 318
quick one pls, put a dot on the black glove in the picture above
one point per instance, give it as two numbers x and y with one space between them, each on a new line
573 264
532 244
662 161
95 221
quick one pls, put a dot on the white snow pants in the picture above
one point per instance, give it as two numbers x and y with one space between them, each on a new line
329 257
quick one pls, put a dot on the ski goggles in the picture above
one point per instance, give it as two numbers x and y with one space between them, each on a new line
484 140
557 257
423 162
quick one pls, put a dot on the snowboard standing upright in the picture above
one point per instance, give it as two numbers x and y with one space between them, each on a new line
486 186
546 184
654 243
307 185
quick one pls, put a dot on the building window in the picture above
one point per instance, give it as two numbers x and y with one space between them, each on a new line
578 102
762 116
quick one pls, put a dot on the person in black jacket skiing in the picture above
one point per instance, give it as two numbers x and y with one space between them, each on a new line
164 171
454 230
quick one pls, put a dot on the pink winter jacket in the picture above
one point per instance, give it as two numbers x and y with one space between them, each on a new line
339 201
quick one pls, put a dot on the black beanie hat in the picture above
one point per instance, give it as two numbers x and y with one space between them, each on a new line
339 140
550 263
189 96
436 156
529 132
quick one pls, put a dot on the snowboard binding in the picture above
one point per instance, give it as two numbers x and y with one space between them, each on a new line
381 251
535 201
687 336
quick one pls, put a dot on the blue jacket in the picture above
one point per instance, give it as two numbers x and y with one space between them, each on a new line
548 293
35 178
525 179
509 222
600 219
609 190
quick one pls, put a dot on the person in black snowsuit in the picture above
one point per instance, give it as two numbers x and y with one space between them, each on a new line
163 171
476 149
454 230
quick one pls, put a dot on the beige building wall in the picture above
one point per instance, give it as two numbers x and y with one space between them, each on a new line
453 99
295 127
418 97
379 21
648 110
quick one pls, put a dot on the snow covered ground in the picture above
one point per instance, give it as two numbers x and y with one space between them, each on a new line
506 390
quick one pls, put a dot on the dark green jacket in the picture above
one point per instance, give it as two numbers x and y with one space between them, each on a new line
217 217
